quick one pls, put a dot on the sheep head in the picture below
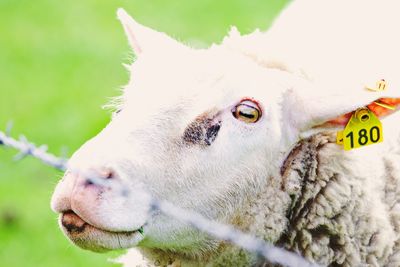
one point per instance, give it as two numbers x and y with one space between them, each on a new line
204 129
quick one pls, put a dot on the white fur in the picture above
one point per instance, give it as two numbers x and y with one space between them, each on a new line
312 66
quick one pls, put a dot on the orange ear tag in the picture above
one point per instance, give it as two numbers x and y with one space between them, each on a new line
364 128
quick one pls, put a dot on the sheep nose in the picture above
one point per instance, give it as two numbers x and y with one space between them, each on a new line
79 186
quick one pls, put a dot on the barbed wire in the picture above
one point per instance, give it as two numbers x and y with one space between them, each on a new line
27 148
215 229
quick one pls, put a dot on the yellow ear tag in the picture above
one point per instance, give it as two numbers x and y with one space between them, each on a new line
363 129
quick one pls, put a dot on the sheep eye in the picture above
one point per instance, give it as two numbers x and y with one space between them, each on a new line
247 111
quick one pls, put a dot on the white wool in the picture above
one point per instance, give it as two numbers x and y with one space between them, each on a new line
282 178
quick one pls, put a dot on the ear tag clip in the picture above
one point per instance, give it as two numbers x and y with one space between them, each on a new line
364 128
380 86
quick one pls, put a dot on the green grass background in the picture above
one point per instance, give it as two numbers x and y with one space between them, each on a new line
60 61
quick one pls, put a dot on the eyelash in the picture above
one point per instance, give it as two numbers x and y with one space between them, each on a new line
115 113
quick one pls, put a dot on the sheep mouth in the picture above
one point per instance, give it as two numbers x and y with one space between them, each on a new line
88 236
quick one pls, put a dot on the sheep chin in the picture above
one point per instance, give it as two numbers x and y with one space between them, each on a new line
89 237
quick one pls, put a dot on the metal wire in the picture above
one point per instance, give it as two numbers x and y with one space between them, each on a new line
215 229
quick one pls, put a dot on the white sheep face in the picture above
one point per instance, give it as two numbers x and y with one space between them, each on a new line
156 143
153 144
177 138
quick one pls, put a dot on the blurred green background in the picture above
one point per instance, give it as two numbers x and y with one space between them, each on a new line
60 61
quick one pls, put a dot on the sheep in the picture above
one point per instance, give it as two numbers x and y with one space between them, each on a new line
245 133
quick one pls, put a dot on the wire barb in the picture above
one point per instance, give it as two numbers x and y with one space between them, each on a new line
27 148
215 229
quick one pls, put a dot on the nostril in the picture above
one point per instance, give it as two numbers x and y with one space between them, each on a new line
89 182
103 173
110 174
97 177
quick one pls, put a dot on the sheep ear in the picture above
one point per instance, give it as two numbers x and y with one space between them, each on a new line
338 111
314 108
142 38
381 107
